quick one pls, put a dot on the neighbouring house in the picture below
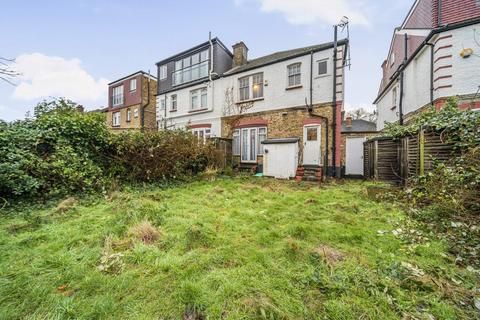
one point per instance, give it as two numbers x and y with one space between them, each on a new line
433 55
283 110
131 103
354 133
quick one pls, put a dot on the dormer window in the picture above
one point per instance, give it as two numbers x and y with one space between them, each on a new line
191 68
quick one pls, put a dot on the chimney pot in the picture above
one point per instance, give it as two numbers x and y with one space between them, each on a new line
348 122
240 54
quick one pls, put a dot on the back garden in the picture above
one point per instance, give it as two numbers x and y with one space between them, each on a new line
143 226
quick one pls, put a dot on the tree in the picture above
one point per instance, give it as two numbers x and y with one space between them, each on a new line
233 111
7 73
362 114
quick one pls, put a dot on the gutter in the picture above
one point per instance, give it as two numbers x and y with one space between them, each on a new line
447 27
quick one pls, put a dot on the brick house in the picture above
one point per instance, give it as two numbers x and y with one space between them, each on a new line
432 57
284 97
131 103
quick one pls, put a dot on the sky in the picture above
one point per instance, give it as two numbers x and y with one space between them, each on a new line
74 48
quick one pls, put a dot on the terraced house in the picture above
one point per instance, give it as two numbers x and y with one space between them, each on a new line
131 102
434 55
283 110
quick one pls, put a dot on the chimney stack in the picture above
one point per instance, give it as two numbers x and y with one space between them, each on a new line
348 121
80 108
240 54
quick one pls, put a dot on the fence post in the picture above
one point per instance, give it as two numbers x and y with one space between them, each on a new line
421 147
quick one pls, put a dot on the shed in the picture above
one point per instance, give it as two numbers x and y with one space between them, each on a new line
280 158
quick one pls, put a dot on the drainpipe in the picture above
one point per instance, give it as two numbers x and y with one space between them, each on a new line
334 93
311 113
402 75
142 108
165 112
432 66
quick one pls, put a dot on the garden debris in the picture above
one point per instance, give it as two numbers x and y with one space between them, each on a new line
476 302
63 290
329 254
415 271
110 262
66 204
310 201
145 232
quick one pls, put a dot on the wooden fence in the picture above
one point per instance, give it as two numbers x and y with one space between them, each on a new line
397 160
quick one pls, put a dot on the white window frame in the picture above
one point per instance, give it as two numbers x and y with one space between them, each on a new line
236 147
202 133
191 68
135 113
173 102
249 153
294 71
246 91
392 59
163 72
116 117
324 61
201 98
133 85
117 95
394 98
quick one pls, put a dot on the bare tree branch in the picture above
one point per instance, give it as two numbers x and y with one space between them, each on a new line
232 111
7 72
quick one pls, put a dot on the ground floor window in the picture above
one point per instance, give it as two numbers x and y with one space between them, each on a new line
203 133
247 143
116 119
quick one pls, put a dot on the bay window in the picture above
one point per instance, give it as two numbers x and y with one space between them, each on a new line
202 133
247 143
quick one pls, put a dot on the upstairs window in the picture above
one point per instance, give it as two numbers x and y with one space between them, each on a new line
322 67
117 96
198 99
244 88
163 72
247 91
173 103
191 68
133 85
394 98
257 88
294 75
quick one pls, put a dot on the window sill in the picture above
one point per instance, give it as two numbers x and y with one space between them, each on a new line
393 108
198 110
172 110
250 100
294 87
322 76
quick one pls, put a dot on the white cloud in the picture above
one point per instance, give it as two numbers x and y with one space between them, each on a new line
46 76
312 12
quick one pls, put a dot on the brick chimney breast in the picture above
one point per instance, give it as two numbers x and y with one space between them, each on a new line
240 54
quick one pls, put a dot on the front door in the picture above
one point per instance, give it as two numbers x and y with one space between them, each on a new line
354 156
311 145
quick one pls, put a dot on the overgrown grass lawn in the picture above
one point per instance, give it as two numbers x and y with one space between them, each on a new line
234 248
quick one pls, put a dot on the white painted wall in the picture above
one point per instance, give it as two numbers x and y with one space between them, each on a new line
275 94
465 73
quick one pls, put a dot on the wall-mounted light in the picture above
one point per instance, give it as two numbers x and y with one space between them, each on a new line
465 53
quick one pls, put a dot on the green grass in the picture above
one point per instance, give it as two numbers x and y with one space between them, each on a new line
229 249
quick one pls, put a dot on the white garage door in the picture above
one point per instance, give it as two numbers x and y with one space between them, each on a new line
354 156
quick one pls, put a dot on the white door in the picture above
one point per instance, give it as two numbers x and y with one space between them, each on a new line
249 145
311 145
354 156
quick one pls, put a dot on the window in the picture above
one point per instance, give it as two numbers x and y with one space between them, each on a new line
236 142
129 115
116 119
244 87
198 99
247 143
133 84
173 103
294 75
117 96
191 68
162 104
135 113
257 88
202 133
394 98
392 59
163 72
312 133
322 67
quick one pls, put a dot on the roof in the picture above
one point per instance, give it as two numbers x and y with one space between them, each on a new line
281 56
281 141
132 75
359 125
197 47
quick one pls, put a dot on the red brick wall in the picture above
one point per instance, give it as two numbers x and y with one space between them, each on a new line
455 11
129 98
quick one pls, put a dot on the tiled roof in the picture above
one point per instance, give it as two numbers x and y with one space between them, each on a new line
359 125
280 56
